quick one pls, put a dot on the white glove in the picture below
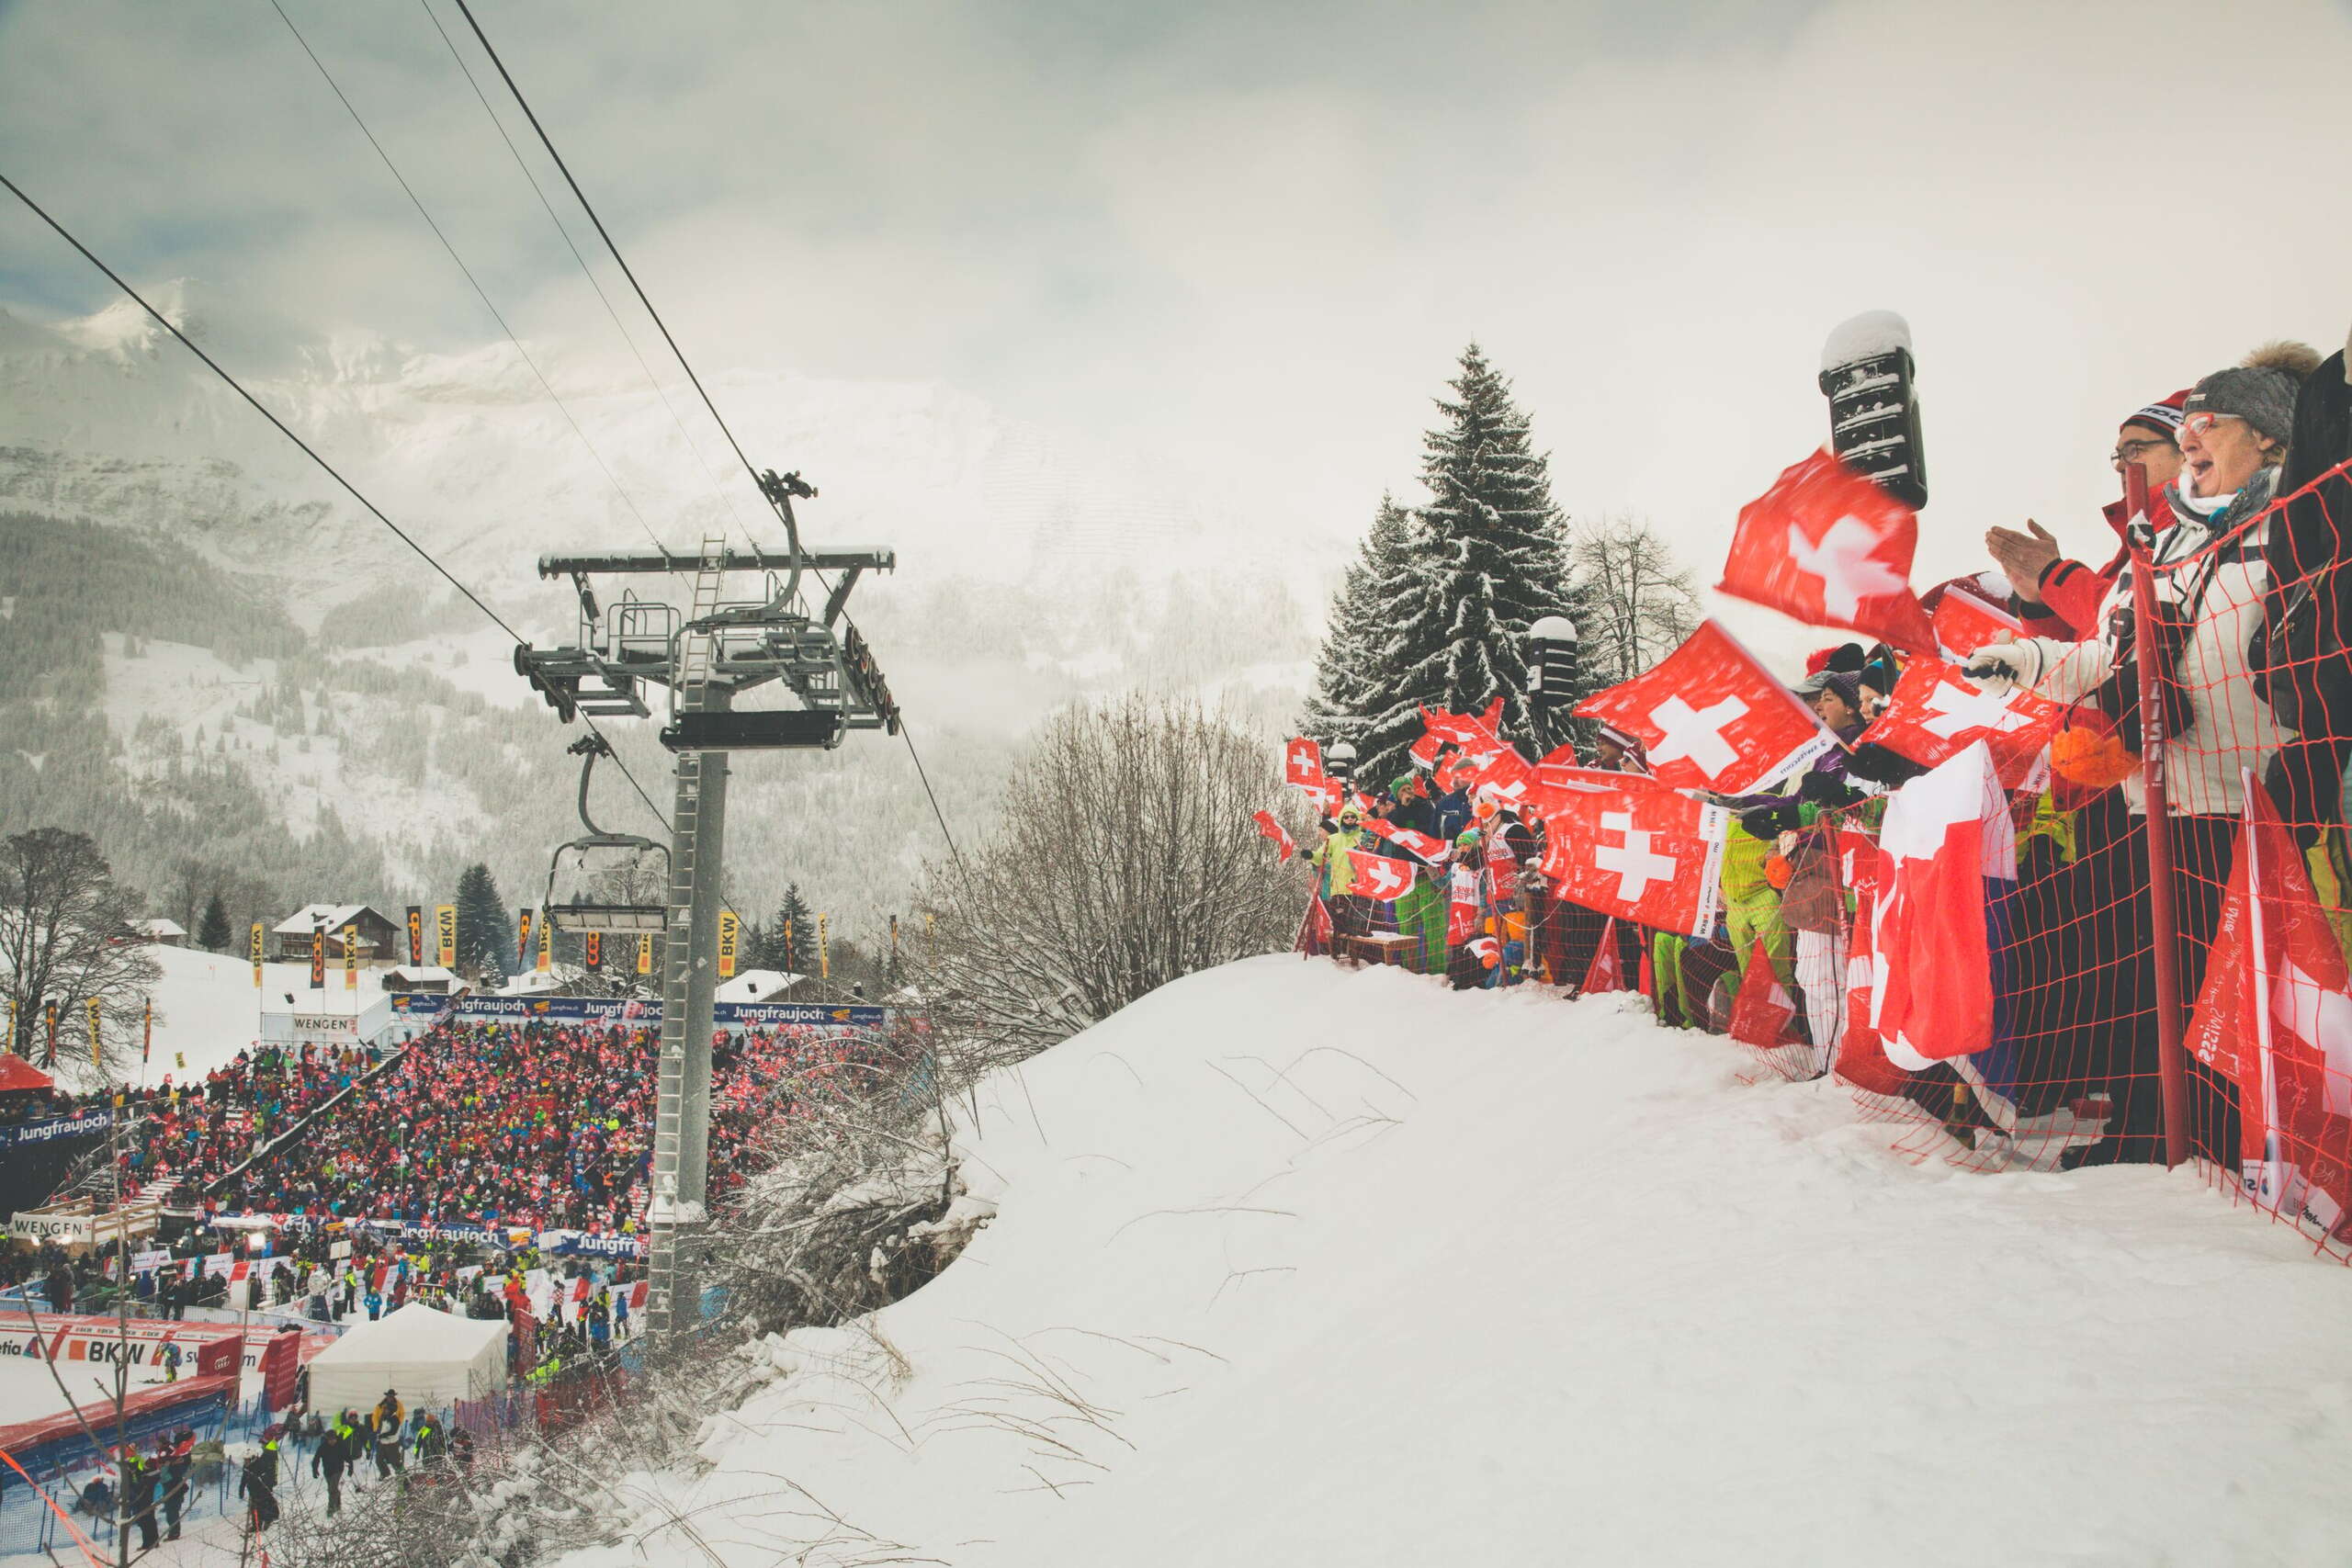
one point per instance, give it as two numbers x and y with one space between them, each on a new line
2018 662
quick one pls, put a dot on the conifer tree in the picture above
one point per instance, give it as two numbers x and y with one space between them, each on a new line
212 932
1347 688
1486 559
792 934
485 932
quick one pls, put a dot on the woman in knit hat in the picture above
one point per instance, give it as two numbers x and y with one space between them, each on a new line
2210 580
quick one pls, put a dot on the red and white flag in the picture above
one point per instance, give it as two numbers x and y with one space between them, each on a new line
1764 1015
1639 853
1284 846
2275 1018
1425 846
1563 755
1508 773
1302 762
1606 973
1378 876
1936 712
1424 752
1461 905
1862 1057
1711 717
1965 619
1472 732
1943 834
1827 546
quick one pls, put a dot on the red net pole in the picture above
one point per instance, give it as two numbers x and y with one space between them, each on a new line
2172 1074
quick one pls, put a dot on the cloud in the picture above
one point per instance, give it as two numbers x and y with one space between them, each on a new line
1252 237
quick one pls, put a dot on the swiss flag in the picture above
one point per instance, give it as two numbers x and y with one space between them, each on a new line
1284 846
1424 752
1421 846
1637 852
1763 1016
1606 973
1453 772
1862 1058
1461 905
1472 732
1508 773
1944 833
1828 547
1302 762
1378 876
1936 712
1965 620
1563 755
2275 1018
1711 717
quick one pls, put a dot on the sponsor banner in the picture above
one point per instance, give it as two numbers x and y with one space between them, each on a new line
71 1230
574 1244
575 1009
327 1029
418 1004
74 1127
207 1351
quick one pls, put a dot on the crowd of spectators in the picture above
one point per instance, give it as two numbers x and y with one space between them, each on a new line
2246 503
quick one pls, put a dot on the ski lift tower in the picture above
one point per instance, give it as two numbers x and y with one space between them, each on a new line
701 660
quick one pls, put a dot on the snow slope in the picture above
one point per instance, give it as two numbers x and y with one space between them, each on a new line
1299 1266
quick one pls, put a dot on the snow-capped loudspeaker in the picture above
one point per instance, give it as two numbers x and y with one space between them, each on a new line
1866 373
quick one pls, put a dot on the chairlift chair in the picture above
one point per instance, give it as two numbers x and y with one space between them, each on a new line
615 883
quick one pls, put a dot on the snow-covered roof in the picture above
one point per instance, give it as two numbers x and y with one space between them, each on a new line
160 926
418 973
311 917
530 982
756 986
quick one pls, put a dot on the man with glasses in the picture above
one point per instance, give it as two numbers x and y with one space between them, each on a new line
2061 597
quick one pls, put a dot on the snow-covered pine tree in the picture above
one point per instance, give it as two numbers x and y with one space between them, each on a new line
1486 559
485 933
792 934
1347 667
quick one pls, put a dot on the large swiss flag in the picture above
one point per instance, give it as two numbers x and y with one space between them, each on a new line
1636 851
1711 717
1828 547
1944 832
1425 846
1936 712
2275 1018
1380 877
1302 762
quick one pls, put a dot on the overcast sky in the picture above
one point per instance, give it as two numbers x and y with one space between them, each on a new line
1255 235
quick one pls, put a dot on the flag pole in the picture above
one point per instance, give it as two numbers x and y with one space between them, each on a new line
2171 1073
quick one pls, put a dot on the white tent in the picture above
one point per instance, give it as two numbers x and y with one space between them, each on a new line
430 1359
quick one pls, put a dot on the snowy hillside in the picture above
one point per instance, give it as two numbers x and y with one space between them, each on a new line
1300 1265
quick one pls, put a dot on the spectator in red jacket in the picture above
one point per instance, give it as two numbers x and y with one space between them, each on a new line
2061 597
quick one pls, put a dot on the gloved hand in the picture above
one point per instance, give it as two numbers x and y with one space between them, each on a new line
1825 789
1873 762
2019 662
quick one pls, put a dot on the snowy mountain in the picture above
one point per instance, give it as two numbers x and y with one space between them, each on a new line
111 421
380 711
1296 1264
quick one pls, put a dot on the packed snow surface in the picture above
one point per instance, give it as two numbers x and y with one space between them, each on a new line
1300 1265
